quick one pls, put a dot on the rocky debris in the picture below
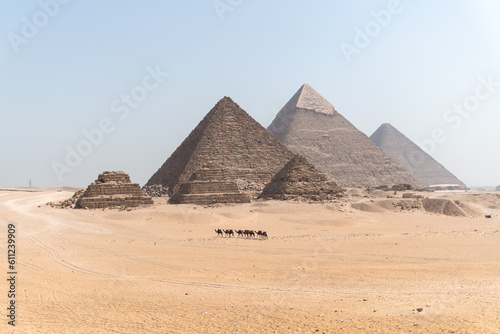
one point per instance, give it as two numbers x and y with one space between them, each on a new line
113 190
230 138
396 187
69 203
401 187
209 186
408 205
155 190
253 189
411 157
309 125
412 195
299 179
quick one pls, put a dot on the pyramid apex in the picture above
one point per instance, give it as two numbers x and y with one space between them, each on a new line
309 98
388 125
225 103
227 99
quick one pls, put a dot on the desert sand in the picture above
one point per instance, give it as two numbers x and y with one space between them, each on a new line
326 268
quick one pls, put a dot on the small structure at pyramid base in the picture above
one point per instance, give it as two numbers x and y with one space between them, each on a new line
209 185
498 188
299 179
445 187
113 189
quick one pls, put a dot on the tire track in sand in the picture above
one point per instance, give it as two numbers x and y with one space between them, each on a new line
55 256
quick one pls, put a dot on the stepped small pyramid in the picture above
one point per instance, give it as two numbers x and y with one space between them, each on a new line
416 161
113 189
309 125
230 138
209 185
299 178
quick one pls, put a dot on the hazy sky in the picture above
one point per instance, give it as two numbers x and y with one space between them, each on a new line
91 77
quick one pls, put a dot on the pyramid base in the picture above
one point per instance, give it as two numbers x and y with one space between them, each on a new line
208 199
113 202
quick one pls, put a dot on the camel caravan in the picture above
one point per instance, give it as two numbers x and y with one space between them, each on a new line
241 233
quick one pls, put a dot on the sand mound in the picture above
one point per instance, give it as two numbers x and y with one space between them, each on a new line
442 206
470 211
368 207
439 206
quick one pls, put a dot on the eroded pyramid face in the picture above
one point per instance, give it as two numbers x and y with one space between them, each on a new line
309 125
229 138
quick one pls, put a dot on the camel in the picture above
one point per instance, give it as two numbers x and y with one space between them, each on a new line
242 233
262 234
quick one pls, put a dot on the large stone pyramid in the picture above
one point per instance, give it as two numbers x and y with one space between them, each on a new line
299 178
421 165
209 185
230 138
309 125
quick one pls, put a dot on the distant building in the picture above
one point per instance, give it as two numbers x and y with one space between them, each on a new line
445 187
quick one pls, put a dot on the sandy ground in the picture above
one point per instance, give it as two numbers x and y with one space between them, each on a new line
326 268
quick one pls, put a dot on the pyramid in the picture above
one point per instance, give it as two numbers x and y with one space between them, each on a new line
209 185
309 125
416 161
299 178
230 138
113 189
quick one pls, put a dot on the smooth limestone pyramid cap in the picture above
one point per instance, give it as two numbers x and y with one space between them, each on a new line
310 99
424 168
230 138
309 125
